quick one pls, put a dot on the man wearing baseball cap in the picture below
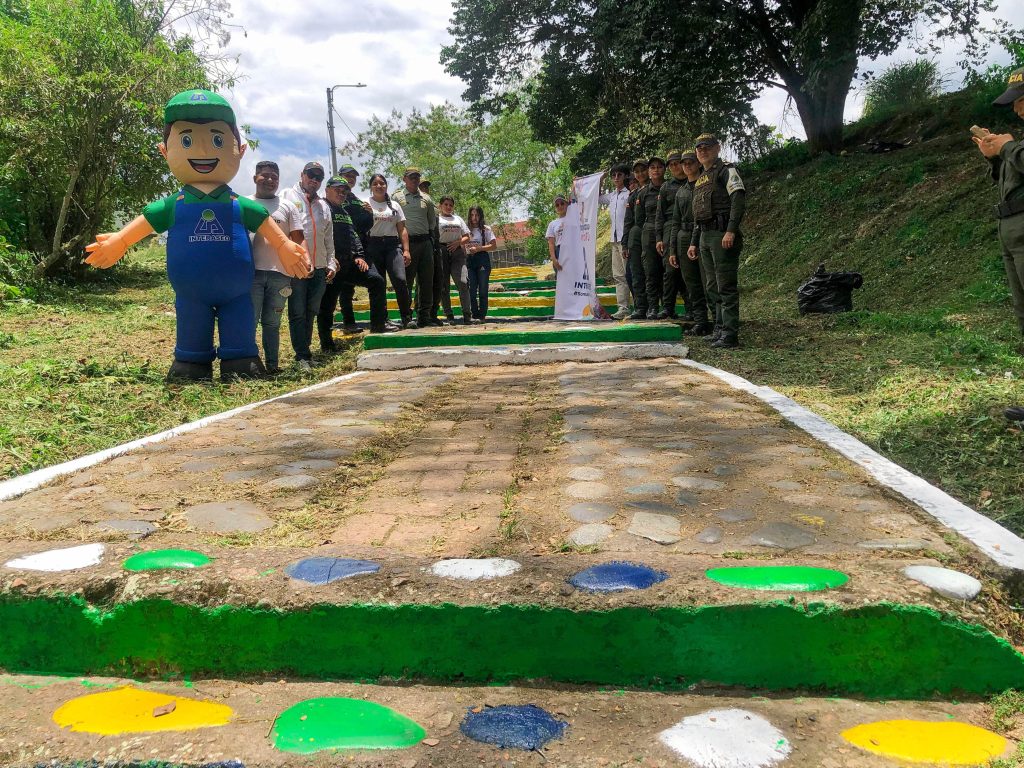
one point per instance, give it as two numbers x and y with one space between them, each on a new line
304 302
665 230
353 268
421 224
719 201
645 217
631 239
682 224
1006 160
362 220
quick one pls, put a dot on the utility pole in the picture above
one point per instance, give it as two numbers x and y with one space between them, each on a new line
330 120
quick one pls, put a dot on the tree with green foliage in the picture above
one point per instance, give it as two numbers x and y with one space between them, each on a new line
495 163
904 83
82 88
597 60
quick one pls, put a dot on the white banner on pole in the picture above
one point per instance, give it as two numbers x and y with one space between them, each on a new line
576 290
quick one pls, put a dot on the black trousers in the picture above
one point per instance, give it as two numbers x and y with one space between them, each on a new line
346 280
386 255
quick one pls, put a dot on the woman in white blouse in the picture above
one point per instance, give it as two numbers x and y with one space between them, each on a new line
481 242
454 234
388 244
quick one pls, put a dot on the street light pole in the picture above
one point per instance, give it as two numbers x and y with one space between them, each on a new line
330 120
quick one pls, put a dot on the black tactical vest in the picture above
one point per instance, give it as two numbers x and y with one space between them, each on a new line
710 196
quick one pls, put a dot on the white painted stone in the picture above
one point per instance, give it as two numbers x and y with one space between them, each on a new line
66 559
945 581
727 738
663 529
473 570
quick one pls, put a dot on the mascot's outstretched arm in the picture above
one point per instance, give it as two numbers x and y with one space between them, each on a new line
294 257
111 247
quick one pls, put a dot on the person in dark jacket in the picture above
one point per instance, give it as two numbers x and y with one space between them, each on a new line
353 268
362 220
631 241
644 216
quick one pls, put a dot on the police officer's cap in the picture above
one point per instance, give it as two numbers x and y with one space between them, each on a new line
689 155
655 159
348 169
412 170
674 155
338 181
641 163
198 105
424 182
706 140
1014 90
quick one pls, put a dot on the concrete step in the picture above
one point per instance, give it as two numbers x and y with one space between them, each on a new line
553 470
546 333
70 722
517 354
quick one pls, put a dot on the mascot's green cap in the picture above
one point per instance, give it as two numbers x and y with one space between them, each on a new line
198 105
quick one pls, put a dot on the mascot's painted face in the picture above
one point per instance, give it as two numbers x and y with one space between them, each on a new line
202 153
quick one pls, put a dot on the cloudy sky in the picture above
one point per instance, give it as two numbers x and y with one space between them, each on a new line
288 58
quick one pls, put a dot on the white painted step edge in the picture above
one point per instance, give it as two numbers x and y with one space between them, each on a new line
1003 546
432 357
17 486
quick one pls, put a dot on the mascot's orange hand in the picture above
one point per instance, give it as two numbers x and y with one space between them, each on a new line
294 259
107 250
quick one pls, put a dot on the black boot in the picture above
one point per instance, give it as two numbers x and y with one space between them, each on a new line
1014 413
726 340
242 368
663 315
185 371
640 314
701 328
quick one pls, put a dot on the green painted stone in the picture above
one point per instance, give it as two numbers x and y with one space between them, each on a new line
159 559
545 334
330 723
791 578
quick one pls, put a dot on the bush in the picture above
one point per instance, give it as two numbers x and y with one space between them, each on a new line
902 84
17 271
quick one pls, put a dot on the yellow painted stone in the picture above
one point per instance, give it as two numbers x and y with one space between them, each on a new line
130 710
945 743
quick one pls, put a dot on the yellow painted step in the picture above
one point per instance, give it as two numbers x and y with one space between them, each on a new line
607 300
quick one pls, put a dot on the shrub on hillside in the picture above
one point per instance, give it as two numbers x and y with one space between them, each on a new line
902 84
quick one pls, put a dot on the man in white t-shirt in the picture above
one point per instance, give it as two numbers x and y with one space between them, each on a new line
272 285
615 201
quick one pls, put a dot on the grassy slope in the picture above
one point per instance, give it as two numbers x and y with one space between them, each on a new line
82 369
922 370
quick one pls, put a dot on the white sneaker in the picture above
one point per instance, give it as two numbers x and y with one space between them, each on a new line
622 314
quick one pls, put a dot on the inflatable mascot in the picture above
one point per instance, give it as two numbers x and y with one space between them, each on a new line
209 259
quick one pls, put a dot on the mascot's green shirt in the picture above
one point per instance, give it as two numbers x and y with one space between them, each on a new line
160 213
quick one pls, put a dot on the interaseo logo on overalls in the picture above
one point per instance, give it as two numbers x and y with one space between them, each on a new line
208 229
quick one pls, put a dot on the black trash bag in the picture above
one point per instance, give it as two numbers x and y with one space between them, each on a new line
827 292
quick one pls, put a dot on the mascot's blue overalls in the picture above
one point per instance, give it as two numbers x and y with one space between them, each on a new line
210 266
209 260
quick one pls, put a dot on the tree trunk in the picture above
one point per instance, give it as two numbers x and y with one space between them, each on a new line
58 254
821 112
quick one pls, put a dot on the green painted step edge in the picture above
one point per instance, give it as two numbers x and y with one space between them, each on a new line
160 559
545 293
882 650
610 332
792 578
334 722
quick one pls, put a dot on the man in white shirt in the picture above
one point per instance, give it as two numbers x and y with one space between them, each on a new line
318 234
615 201
272 286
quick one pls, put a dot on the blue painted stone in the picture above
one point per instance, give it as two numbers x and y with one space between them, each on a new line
521 727
617 577
324 570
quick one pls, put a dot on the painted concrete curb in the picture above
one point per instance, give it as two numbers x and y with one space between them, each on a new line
394 360
1003 546
16 486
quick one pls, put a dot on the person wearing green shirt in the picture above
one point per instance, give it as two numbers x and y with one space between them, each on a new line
421 224
209 257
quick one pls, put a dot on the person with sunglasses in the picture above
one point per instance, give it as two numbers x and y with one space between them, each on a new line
318 234
554 232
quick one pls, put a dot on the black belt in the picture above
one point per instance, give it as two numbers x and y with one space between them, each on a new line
419 238
717 223
1009 208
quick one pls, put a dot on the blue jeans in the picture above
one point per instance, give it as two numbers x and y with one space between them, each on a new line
479 283
303 306
270 291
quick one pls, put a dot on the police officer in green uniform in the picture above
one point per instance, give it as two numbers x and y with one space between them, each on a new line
645 217
672 280
682 222
421 224
1006 158
631 240
719 200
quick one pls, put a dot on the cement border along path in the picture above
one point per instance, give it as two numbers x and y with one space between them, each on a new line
398 359
17 486
1002 545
